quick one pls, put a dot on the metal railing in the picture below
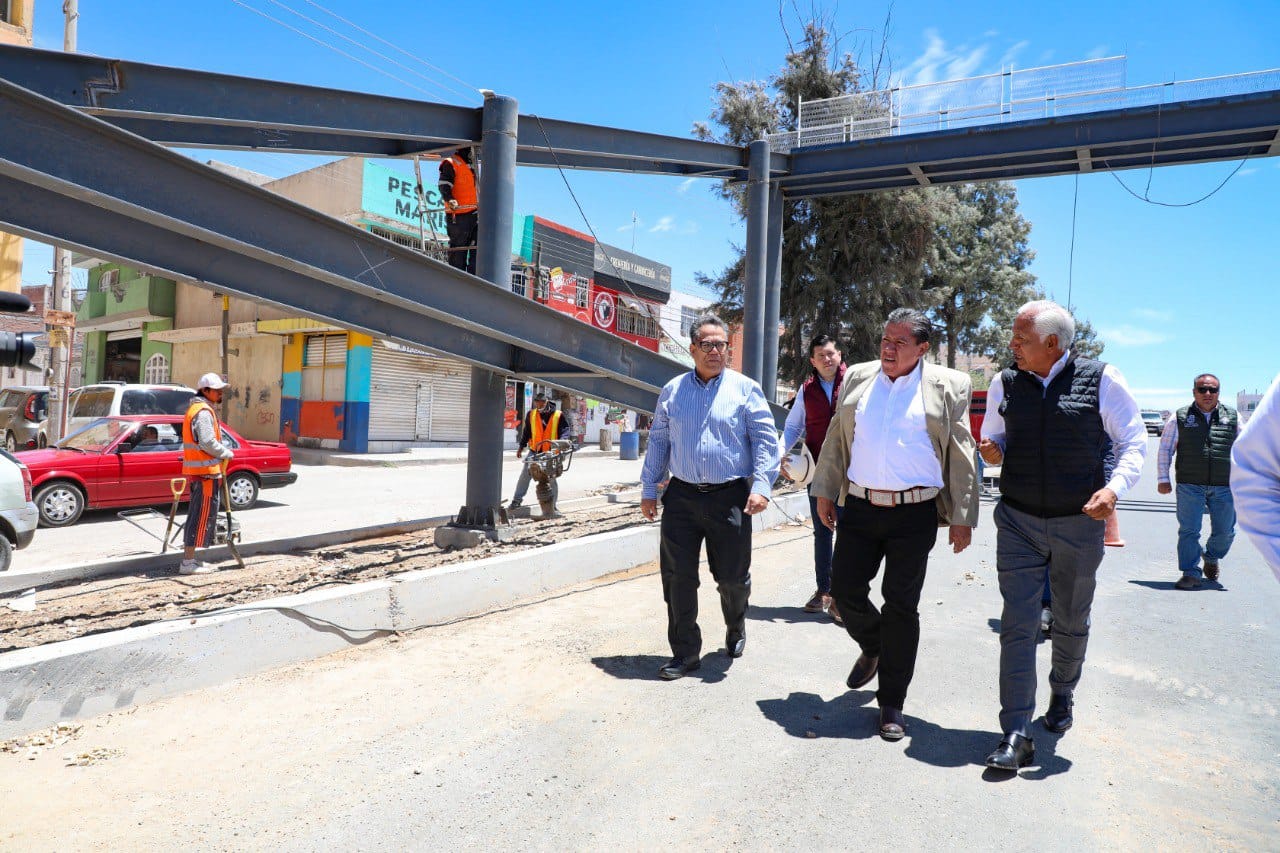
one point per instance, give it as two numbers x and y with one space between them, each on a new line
1013 95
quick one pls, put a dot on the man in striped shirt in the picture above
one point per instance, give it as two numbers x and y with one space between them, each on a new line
713 431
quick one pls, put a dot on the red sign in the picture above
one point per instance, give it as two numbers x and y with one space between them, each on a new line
604 310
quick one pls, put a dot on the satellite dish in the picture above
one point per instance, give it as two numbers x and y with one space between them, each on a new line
801 466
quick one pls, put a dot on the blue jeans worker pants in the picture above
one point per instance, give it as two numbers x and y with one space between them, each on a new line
823 545
1192 502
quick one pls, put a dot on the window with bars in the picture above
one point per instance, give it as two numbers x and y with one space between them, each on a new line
639 323
688 316
156 370
6 15
583 297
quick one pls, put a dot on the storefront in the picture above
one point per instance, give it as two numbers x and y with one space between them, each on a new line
416 396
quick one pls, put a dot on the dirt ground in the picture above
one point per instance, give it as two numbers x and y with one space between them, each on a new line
82 608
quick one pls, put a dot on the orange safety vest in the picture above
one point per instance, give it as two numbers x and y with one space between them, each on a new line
195 462
536 430
464 186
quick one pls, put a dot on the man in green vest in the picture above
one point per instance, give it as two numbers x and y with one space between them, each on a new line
1198 438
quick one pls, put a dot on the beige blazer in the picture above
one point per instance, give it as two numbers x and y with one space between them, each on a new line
946 407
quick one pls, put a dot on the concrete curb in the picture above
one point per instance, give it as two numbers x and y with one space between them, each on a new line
81 678
311 456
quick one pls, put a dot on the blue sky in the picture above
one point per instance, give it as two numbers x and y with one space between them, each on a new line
1173 291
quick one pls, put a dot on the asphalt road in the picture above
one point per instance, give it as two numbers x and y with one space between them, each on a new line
543 726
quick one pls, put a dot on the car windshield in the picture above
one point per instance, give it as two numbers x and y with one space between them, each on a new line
97 435
1151 416
155 401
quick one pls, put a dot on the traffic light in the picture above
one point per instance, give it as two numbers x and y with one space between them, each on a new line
17 349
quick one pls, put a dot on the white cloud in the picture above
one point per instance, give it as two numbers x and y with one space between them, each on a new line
941 62
1153 315
639 223
1012 53
666 223
1099 52
1131 336
685 184
1243 172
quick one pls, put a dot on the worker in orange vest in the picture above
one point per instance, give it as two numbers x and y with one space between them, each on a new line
458 188
203 454
542 425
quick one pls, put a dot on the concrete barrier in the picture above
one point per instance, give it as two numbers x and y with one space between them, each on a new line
87 676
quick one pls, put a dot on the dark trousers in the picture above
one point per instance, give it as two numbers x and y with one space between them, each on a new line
822 545
462 228
202 512
1070 549
689 518
902 538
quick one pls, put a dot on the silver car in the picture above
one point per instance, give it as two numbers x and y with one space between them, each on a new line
24 413
18 515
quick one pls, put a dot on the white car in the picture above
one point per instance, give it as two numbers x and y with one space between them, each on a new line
112 399
18 515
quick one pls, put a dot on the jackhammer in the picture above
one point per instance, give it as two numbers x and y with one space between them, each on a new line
545 466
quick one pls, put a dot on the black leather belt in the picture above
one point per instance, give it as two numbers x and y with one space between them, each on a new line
710 487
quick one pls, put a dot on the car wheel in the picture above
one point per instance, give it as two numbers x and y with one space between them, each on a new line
10 442
6 553
243 487
60 504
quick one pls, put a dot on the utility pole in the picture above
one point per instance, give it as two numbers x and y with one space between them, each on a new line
60 356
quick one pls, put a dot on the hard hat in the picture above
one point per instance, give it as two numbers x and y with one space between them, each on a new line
212 381
801 466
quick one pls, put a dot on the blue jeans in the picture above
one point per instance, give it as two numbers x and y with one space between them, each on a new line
1192 500
822 545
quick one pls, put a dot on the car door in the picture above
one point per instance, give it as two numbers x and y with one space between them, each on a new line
147 466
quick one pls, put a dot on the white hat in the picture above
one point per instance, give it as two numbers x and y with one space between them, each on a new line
801 466
212 381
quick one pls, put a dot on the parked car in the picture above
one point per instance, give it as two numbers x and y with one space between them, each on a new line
24 411
18 515
1154 422
109 399
129 461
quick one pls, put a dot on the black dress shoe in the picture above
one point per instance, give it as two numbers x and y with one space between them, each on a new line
1058 718
1211 569
735 644
1187 582
1013 752
892 726
679 667
864 669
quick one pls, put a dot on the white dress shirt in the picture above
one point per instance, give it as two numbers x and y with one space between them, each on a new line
1255 477
891 447
1120 418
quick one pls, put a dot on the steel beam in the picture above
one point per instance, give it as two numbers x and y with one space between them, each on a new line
753 286
200 109
772 294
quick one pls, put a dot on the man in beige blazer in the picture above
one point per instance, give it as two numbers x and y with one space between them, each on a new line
899 458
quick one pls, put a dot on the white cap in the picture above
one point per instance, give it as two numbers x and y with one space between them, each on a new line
210 380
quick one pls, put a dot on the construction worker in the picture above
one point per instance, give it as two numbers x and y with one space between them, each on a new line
202 456
544 423
458 188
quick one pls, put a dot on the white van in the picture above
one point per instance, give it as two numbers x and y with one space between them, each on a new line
109 399
18 515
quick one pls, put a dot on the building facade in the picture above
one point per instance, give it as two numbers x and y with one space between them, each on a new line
17 19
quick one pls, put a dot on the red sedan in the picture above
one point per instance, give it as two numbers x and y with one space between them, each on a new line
129 461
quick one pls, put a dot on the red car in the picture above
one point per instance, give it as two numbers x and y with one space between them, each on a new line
129 461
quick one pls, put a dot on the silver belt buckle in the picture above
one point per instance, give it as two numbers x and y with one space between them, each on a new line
879 498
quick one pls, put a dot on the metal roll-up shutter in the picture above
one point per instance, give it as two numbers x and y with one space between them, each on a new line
417 397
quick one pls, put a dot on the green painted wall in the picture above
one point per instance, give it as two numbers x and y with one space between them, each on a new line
133 292
94 345
150 347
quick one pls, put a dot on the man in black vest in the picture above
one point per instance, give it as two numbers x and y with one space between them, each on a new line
1199 437
810 417
1046 425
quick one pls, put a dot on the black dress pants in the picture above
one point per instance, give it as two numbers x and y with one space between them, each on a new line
902 538
690 517
462 228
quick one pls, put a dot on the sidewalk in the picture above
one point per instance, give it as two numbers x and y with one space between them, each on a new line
439 454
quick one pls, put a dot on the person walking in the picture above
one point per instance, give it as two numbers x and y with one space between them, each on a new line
899 458
1047 421
542 425
811 415
1255 477
714 432
1198 440
458 189
202 456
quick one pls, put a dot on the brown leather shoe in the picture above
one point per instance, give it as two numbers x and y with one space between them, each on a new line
834 612
817 603
864 669
892 725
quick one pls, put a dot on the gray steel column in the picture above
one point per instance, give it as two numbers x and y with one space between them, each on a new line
753 287
496 197
772 295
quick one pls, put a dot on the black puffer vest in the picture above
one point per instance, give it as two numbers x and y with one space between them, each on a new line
1053 439
1203 457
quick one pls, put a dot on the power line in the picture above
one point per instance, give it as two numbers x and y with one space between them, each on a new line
1071 256
1204 197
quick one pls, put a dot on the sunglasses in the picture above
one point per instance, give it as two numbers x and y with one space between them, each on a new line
710 346
1206 389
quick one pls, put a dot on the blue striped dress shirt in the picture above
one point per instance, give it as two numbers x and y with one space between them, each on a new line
711 432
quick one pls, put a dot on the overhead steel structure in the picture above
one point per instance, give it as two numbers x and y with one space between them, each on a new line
81 165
